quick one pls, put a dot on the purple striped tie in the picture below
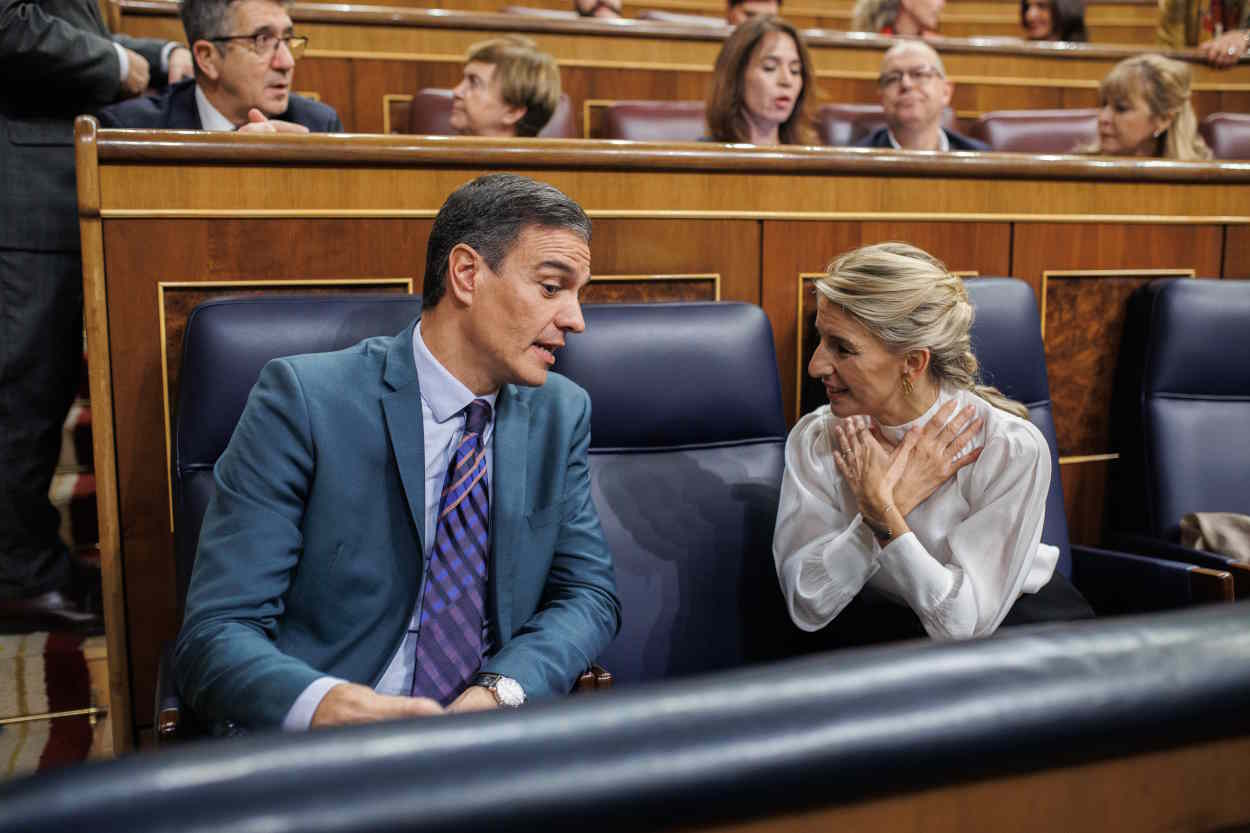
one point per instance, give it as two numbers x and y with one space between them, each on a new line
449 643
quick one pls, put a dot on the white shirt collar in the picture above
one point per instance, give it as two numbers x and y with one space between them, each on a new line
210 117
944 143
894 433
444 394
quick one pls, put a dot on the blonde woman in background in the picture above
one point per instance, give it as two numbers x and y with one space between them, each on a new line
1144 110
919 18
913 503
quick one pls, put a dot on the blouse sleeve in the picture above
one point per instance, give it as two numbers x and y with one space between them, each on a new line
823 550
825 553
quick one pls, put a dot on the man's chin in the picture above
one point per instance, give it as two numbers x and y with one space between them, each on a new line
275 105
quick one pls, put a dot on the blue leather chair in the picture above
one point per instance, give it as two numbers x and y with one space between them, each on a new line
687 450
1007 341
226 344
1180 417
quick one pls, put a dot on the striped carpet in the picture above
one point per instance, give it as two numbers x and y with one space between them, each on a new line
42 673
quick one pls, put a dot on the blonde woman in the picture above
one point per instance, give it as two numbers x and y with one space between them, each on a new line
917 493
1144 110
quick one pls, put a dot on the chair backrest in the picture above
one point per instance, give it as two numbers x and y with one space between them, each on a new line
661 16
226 344
844 124
1037 131
430 114
687 447
1228 134
1007 341
655 121
1180 415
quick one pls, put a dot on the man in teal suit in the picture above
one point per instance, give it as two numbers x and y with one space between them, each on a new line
333 581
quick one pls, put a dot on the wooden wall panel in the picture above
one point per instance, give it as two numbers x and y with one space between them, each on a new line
730 248
1084 486
792 248
200 250
332 80
1237 252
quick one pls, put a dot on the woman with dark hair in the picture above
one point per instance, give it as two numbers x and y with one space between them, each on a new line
1062 20
760 85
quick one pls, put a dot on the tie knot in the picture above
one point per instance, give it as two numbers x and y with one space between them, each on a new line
476 415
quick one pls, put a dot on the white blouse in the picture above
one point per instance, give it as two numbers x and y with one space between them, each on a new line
974 545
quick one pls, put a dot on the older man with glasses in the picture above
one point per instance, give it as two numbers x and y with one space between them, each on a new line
244 53
914 94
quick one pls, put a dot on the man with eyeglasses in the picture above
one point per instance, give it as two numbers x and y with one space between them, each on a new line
914 95
244 53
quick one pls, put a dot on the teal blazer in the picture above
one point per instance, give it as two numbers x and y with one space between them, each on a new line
310 555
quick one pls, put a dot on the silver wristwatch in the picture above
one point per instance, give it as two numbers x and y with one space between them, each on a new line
507 691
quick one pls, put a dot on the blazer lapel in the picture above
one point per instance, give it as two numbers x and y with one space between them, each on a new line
507 512
402 408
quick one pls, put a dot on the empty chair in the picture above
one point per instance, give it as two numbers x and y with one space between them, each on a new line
1037 131
226 344
687 443
1180 415
655 121
1006 338
1228 134
430 111
844 124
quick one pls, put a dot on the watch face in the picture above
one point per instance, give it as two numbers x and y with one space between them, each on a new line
509 691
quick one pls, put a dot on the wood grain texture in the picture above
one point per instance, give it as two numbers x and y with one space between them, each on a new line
1084 487
1237 252
657 289
1191 789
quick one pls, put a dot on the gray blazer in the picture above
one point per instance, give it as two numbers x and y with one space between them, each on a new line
56 61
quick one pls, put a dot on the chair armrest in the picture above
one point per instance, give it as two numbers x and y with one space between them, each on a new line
594 678
1162 548
168 707
1118 582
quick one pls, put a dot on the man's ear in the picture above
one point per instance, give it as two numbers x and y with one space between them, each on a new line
949 87
204 54
464 271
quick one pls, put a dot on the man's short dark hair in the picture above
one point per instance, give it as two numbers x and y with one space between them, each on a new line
489 214
206 19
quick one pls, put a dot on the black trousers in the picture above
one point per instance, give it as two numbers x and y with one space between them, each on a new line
40 369
871 618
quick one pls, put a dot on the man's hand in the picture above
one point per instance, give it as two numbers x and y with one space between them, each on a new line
180 64
258 123
137 74
475 698
1227 49
933 460
353 703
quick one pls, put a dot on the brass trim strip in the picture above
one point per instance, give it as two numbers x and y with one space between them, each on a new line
1108 273
387 98
714 277
161 286
1087 458
692 214
94 712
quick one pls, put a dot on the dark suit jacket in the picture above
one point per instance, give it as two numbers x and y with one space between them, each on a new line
56 60
880 138
175 109
310 556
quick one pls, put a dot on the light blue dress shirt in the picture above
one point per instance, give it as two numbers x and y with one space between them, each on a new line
443 398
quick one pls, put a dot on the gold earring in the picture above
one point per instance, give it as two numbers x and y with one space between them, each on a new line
908 390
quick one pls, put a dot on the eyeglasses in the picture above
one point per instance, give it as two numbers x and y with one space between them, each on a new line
265 44
917 75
